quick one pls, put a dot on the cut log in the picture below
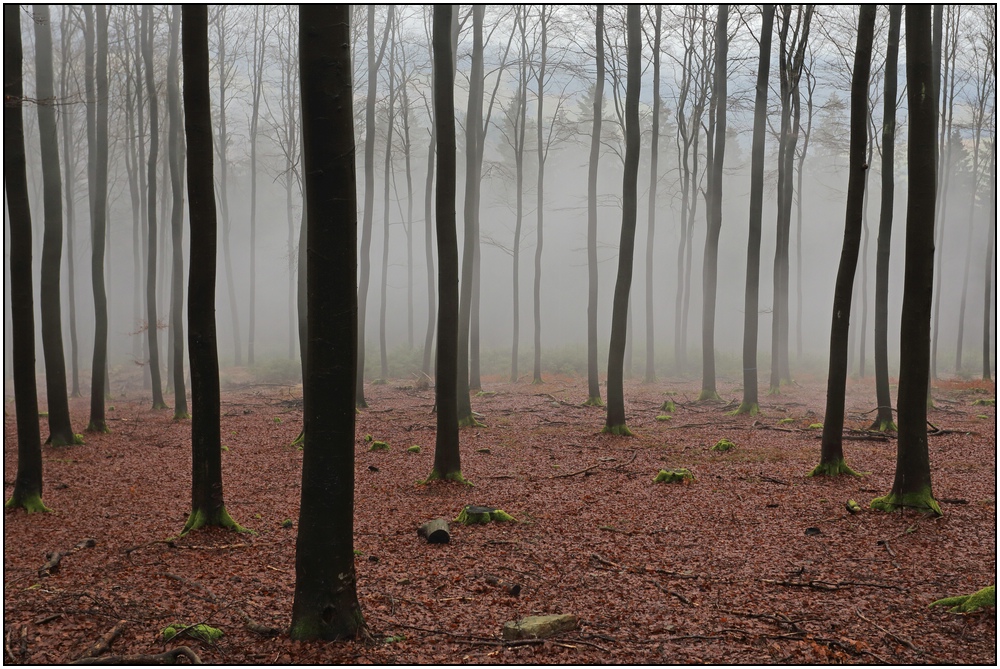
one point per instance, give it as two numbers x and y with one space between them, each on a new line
435 531
539 627
512 589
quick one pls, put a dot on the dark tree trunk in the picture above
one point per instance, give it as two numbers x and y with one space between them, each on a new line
98 390
366 228
911 488
27 492
60 430
650 376
832 454
447 460
883 417
387 180
69 163
326 601
207 505
593 376
175 148
752 294
710 272
154 140
616 356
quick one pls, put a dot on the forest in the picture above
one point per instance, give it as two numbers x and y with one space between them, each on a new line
500 334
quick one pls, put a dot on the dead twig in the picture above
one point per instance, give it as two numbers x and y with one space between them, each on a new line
168 657
603 561
579 471
888 549
6 645
55 557
671 592
193 584
826 585
50 618
905 642
622 466
104 643
675 574
773 480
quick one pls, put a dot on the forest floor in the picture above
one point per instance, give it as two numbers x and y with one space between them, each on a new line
721 570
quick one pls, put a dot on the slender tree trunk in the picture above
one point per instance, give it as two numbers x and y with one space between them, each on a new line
154 140
977 137
593 376
810 87
175 148
540 199
259 42
989 267
326 602
863 330
143 194
752 293
429 255
832 454
883 417
911 488
390 121
98 389
69 162
27 493
207 504
615 423
132 168
650 376
447 459
60 430
409 208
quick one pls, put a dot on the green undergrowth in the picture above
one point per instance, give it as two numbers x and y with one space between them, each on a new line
482 515
980 599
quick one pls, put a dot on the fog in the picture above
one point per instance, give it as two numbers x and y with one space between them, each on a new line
969 209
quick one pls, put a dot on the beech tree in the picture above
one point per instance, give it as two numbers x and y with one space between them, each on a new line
650 376
69 163
911 488
207 505
391 29
259 40
27 493
175 149
593 377
325 604
832 452
615 423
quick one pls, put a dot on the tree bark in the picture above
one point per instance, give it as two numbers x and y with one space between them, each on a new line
650 376
175 148
326 602
69 163
989 267
27 491
540 196
593 375
832 453
615 423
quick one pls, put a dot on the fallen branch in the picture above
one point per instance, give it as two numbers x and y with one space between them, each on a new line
580 471
671 592
169 657
56 557
104 643
675 574
947 500
192 584
773 480
606 563
825 585
621 466
888 548
905 642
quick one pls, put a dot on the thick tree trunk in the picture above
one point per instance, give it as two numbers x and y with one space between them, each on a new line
832 454
752 293
175 148
912 485
593 375
883 416
447 460
60 430
650 376
207 505
27 491
326 601
615 423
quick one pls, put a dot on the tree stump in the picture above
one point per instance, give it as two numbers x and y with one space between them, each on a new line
481 515
435 531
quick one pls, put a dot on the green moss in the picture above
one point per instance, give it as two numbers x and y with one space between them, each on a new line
618 430
969 603
482 515
920 501
413 449
664 418
668 406
469 421
221 518
299 440
94 428
368 437
786 421
30 503
486 393
982 402
982 416
774 390
43 414
594 402
379 446
159 406
852 507
225 449
395 639
200 631
708 395
723 445
816 426
680 475
76 441
745 409
833 469
885 426
182 416
452 476
287 522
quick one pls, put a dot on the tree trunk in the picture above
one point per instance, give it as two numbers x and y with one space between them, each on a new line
540 198
326 601
99 227
593 375
650 376
60 430
257 84
390 121
752 292
27 491
132 168
207 505
883 417
143 194
615 423
154 140
912 485
989 267
69 163
863 330
710 271
429 254
175 148
447 460
832 454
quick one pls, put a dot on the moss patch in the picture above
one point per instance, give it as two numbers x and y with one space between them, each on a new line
435 475
969 603
833 469
745 409
31 504
379 446
470 421
482 515
618 430
982 402
413 449
200 631
816 426
594 402
221 518
680 475
723 445
786 421
668 406
708 395
919 501
664 418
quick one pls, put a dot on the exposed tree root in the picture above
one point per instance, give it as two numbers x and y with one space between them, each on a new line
833 469
30 503
168 657
969 603
618 430
921 501
104 643
199 518
594 402
56 557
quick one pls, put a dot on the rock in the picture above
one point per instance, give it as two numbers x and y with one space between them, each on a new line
539 627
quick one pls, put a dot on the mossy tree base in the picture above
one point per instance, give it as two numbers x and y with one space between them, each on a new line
835 468
157 406
182 416
470 421
200 518
745 409
330 625
94 427
482 515
919 501
707 394
77 440
774 390
618 430
30 503
883 426
969 603
594 402
435 475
